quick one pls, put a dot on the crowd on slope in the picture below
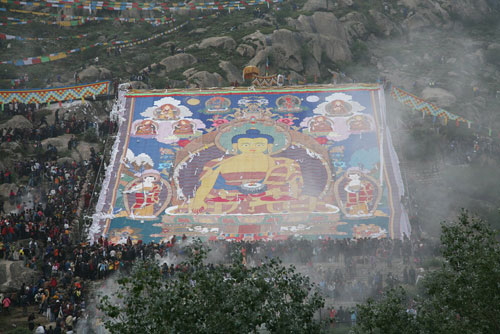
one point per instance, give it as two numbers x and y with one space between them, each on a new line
39 220
466 150
65 122
65 268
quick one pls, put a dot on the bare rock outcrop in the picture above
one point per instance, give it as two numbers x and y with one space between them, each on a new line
205 79
231 71
354 25
13 274
314 5
245 50
440 96
17 121
224 42
60 142
323 32
95 73
178 61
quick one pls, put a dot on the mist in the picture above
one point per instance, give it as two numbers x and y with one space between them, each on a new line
453 65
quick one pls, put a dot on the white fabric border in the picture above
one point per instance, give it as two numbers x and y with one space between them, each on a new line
117 112
404 222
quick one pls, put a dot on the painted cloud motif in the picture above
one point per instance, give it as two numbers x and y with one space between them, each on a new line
167 108
338 105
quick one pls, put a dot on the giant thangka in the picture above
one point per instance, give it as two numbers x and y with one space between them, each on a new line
240 164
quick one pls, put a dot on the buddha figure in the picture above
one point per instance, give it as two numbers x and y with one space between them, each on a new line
167 112
218 104
339 108
359 123
251 180
288 103
320 124
145 128
184 127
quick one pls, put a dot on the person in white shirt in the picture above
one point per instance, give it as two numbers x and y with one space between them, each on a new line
40 329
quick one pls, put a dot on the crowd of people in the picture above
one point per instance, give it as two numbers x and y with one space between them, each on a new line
40 232
466 150
67 123
347 270
40 219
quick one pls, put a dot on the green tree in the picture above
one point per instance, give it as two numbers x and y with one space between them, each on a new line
230 298
463 296
388 316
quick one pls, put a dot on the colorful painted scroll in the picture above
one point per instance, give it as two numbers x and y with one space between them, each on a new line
56 94
309 162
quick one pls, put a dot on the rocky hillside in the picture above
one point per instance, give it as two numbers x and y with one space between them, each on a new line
443 50
453 43
306 40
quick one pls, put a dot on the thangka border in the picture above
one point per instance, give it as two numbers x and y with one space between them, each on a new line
56 94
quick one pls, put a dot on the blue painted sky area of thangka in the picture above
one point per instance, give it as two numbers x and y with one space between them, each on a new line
362 97
365 142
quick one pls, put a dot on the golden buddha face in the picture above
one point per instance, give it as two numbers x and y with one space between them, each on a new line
252 145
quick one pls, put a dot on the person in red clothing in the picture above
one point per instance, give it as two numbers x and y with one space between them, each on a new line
53 285
6 304
332 314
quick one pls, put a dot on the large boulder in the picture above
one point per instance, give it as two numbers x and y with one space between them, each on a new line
138 85
231 71
224 42
287 45
492 53
334 49
312 68
60 142
189 72
82 152
178 61
17 121
354 24
323 32
425 13
258 23
322 23
440 96
245 50
257 38
12 146
94 73
5 189
13 274
206 79
260 57
65 160
315 5
295 78
420 6
471 10
385 24
279 59
198 31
